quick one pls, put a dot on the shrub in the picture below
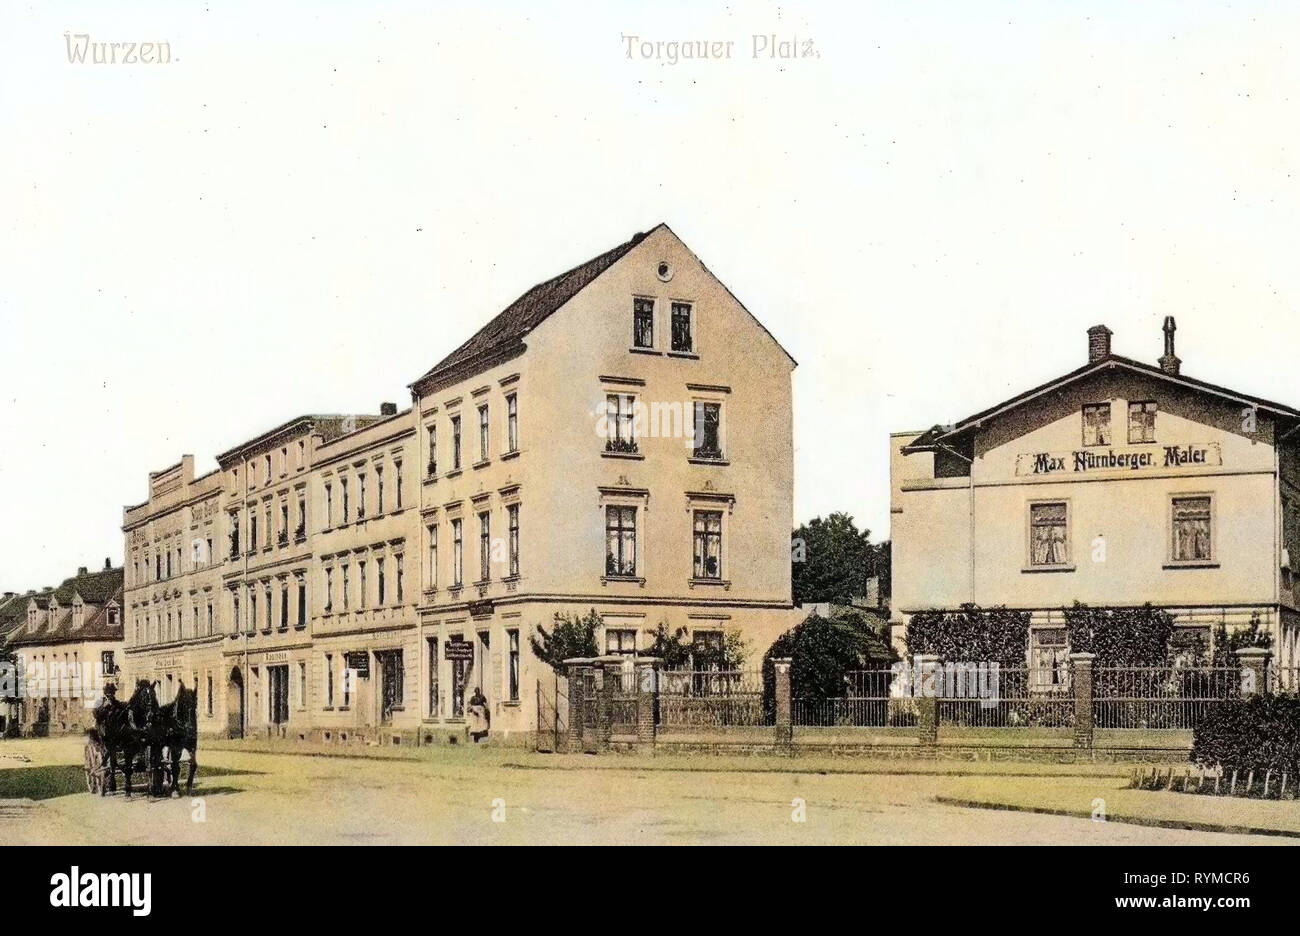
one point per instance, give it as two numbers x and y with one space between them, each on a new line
1227 643
1258 733
570 636
822 652
973 634
1120 636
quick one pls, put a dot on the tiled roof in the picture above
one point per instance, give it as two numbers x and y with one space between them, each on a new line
501 338
97 591
937 435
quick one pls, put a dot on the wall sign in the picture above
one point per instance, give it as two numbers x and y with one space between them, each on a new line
358 660
1135 458
458 650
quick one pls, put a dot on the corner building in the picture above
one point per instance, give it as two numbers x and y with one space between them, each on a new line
618 439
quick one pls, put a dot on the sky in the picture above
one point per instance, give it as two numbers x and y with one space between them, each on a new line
312 203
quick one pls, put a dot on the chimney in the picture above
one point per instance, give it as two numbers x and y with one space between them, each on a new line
108 564
1098 343
81 570
387 409
8 595
1169 362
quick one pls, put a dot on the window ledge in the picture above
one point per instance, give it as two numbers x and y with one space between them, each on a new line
630 579
513 703
720 462
513 453
481 464
724 583
1068 567
629 456
455 473
1192 564
645 351
687 355
430 479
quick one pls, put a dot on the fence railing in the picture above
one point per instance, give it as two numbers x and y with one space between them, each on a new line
867 699
711 699
1284 679
1161 697
1008 697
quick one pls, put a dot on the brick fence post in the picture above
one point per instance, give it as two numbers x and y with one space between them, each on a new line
1081 679
926 666
647 683
1254 670
577 705
784 721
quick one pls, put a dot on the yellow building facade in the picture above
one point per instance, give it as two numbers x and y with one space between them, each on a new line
618 439
1119 484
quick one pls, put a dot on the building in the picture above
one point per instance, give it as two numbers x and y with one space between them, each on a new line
66 649
619 439
1117 484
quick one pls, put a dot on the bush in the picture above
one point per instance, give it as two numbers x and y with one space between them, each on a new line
971 635
570 636
1258 733
822 652
1120 636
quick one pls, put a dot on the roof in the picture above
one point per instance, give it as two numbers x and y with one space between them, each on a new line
939 436
329 425
97 590
502 337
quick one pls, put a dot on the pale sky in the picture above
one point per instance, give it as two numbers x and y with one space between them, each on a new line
310 205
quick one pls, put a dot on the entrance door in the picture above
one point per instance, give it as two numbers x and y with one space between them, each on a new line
279 692
390 684
235 704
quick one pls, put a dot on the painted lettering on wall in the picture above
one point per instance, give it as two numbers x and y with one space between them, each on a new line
1084 461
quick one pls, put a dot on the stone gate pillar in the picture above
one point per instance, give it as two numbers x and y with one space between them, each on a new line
1081 682
1254 669
784 721
924 692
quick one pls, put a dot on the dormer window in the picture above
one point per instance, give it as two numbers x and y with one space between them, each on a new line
1096 424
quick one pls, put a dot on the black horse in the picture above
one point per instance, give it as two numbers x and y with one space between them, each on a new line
178 721
125 729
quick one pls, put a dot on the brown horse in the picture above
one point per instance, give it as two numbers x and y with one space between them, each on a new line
124 729
178 721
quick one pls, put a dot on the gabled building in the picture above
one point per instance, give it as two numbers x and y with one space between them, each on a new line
619 438
1117 484
69 644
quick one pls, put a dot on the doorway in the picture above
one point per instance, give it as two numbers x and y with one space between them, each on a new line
235 704
278 690
390 683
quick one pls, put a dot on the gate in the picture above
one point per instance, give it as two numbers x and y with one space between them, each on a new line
552 716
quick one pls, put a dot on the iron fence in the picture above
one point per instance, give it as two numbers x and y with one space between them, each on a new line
1006 697
1284 679
1161 697
711 699
871 698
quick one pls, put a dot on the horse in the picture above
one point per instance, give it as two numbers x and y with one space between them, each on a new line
179 723
125 728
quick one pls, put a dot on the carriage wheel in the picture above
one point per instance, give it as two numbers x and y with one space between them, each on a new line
94 767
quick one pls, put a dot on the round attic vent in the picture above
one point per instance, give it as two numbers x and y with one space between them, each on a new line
664 270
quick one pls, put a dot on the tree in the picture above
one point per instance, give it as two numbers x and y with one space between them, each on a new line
570 636
822 651
831 560
675 653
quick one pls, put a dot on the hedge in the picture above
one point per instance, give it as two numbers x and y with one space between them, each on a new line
973 634
1258 733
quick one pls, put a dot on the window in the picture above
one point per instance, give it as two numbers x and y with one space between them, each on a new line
620 423
620 640
397 493
708 544
455 443
433 677
401 576
284 520
620 541
302 684
209 695
643 323
707 652
302 453
682 327
1189 645
433 556
484 546
234 613
302 603
483 433
268 467
211 621
284 461
457 554
268 524
361 497
381 580
1191 529
1141 422
329 590
1049 658
708 430
512 522
379 489
346 505
361 582
347 598
513 673
252 608
1096 424
433 451
329 506
302 516
1048 539
267 626
329 680
512 422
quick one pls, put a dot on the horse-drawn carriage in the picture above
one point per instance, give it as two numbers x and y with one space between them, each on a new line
141 736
